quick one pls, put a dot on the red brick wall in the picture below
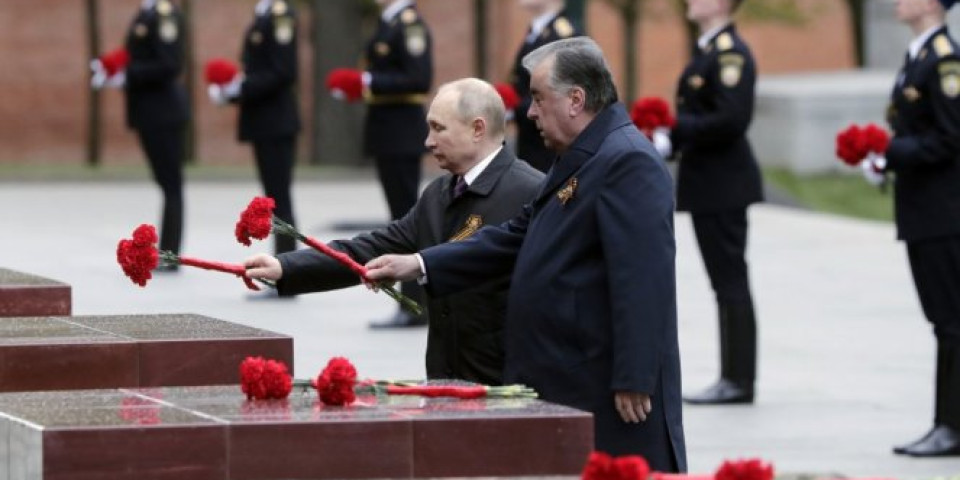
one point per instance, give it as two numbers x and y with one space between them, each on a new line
43 82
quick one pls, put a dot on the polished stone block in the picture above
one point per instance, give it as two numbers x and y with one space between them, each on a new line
213 432
45 353
25 295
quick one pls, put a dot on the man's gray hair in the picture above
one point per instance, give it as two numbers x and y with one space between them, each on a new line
477 98
578 62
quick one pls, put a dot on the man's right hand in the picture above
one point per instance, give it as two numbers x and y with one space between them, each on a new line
391 268
264 267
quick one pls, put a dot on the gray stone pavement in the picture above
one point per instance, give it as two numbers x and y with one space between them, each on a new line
846 357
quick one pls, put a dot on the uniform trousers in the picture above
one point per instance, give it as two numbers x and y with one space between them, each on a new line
164 148
275 166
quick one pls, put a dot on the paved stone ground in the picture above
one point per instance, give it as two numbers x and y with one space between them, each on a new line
846 358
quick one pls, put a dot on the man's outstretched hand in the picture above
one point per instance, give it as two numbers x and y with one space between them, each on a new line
392 268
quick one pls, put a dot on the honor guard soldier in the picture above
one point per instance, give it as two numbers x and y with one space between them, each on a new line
549 24
156 104
924 156
269 116
718 179
398 74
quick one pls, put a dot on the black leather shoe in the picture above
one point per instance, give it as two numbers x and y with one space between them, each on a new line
942 441
724 392
400 319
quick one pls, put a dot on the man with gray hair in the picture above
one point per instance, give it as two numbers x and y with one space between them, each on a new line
486 185
592 313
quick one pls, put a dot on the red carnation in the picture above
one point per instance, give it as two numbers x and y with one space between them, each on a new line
651 113
347 81
851 145
335 383
875 139
115 61
139 256
752 469
255 221
220 71
263 379
509 96
601 466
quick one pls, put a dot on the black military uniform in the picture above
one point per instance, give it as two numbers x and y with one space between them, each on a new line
269 117
465 334
156 104
925 156
718 180
399 59
530 145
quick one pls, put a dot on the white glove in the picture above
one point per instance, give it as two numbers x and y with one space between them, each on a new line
232 89
661 141
99 78
117 80
872 169
215 92
338 94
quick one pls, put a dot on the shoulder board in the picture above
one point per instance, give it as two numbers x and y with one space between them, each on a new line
279 8
164 7
408 16
724 41
563 27
942 45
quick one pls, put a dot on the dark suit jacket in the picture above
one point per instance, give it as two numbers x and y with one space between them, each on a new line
399 58
530 145
465 336
592 306
715 96
268 107
154 95
925 149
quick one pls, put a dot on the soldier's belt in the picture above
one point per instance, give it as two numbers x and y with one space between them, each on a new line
397 99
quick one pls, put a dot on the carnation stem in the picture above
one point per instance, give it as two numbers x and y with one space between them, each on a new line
284 228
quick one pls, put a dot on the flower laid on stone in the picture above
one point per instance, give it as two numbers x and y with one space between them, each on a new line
750 469
601 466
463 392
139 256
257 221
264 379
335 384
651 113
855 143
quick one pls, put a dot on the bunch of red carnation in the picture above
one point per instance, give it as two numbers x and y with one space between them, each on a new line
256 221
601 466
651 113
335 383
855 143
348 81
263 379
752 469
138 256
115 61
508 94
220 71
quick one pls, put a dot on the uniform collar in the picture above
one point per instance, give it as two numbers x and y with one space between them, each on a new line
539 23
917 43
394 9
263 6
707 37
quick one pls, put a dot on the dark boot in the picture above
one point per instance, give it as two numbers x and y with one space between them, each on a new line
944 438
738 358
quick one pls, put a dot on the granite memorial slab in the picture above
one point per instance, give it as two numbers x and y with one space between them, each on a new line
25 295
88 352
213 432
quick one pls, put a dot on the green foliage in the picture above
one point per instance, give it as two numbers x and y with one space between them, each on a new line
846 195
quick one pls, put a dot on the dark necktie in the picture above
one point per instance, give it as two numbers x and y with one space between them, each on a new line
459 187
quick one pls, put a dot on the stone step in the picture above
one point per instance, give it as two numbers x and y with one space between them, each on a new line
213 433
26 295
85 352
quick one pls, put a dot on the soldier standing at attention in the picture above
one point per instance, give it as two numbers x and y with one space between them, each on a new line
549 24
269 116
924 155
156 105
718 179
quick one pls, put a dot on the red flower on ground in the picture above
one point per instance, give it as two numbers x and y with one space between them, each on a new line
875 139
138 256
650 113
601 466
263 379
752 469
508 94
115 61
220 71
335 383
255 221
851 145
